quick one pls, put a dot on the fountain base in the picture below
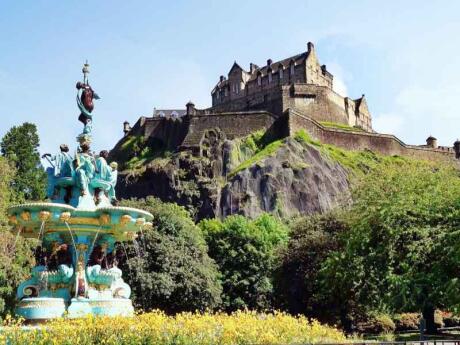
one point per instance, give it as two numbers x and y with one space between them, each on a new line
41 308
80 307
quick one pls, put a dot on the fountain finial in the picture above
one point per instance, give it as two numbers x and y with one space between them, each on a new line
85 71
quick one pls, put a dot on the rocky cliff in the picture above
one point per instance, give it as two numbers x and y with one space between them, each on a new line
246 176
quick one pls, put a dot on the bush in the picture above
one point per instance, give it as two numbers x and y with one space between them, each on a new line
452 321
407 321
173 271
311 240
438 319
377 324
245 251
182 329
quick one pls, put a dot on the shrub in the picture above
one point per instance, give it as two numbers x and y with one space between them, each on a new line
377 324
438 319
245 251
182 329
173 271
311 240
452 321
407 321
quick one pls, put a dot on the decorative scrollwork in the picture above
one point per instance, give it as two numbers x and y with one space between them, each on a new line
125 219
44 215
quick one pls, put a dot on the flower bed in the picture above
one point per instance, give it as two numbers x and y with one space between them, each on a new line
185 328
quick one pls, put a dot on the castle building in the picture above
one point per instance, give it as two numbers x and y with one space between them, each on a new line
298 82
280 98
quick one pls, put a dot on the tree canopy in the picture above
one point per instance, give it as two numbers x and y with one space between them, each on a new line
246 252
391 259
20 146
169 268
16 257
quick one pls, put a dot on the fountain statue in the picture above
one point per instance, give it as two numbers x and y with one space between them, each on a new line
81 231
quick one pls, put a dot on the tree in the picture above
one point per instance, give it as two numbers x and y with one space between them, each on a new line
312 239
246 253
169 268
392 258
20 147
16 258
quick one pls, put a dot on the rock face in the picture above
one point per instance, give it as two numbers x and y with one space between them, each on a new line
296 178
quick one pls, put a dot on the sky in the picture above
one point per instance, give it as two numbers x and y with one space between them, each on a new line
403 55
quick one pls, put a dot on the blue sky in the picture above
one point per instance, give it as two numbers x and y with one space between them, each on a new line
404 55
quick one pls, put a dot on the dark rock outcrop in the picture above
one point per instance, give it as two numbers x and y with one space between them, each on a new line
295 179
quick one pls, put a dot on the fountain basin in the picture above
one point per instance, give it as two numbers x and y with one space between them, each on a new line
100 307
41 308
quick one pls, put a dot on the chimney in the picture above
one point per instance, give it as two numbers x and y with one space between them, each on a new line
269 62
190 108
310 47
126 127
252 68
222 78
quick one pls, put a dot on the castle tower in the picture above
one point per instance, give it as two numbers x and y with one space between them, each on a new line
432 142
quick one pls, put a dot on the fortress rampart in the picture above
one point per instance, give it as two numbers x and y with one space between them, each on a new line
358 141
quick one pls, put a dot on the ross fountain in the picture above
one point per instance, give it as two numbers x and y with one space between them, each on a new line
81 232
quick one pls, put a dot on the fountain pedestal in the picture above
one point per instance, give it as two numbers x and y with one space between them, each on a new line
86 279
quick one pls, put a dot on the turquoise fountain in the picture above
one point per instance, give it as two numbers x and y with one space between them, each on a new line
81 232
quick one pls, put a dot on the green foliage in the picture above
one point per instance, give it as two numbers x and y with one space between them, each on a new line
341 126
312 239
7 172
407 321
245 251
16 258
377 324
393 257
358 163
174 272
258 155
20 147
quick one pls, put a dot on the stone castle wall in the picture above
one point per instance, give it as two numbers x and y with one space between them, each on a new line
381 143
188 131
234 125
317 102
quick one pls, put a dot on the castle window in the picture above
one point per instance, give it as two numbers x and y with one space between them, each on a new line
226 92
281 73
269 77
259 80
292 69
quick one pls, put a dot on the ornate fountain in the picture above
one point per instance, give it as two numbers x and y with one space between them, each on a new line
81 232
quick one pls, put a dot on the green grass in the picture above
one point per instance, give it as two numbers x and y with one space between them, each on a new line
341 126
357 162
265 152
148 155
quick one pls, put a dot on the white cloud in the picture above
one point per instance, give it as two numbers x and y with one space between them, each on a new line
388 123
340 76
339 86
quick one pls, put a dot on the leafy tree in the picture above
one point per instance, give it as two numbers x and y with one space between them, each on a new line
20 147
311 240
246 253
392 257
16 257
169 268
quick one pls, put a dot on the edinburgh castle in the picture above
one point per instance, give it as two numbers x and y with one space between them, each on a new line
279 98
